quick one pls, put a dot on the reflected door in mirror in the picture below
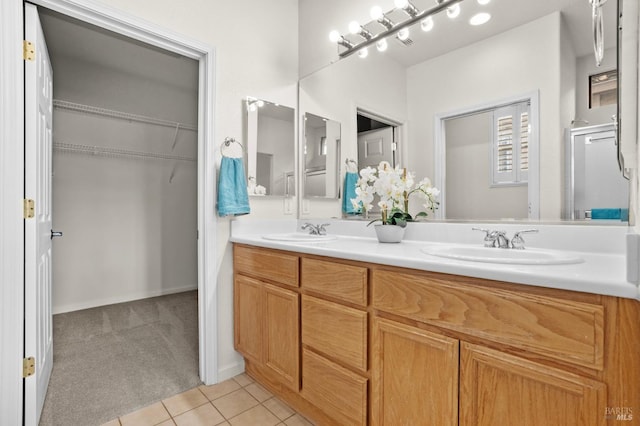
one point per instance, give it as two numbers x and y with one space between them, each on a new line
596 190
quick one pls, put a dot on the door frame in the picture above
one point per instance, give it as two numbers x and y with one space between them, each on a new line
12 183
440 151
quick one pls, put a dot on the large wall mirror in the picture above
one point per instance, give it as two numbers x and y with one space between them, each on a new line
270 148
321 155
458 92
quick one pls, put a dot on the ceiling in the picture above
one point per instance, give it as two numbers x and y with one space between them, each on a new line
70 38
450 34
317 19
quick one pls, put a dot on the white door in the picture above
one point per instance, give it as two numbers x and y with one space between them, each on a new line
375 146
38 151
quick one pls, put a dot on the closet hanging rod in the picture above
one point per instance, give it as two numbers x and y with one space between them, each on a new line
72 106
116 152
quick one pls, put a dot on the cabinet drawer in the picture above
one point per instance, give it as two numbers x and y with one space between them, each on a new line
341 394
344 282
335 330
267 264
561 329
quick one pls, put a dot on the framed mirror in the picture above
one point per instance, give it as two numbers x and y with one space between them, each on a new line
526 49
321 151
270 148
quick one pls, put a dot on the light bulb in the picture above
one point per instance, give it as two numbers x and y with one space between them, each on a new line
252 107
427 24
403 34
453 11
363 53
260 103
381 45
334 36
483 2
354 27
401 4
480 18
376 13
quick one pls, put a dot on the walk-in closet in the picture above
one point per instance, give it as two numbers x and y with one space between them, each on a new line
125 278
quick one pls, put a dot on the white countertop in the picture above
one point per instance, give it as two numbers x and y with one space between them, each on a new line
602 272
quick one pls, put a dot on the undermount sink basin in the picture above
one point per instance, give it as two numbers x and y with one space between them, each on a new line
506 256
299 237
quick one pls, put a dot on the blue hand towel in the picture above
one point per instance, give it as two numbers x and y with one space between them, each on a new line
233 198
350 181
606 214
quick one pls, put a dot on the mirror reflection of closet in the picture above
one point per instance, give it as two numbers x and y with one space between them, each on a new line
270 148
321 157
376 140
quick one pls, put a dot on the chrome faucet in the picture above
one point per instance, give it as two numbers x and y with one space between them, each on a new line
499 238
315 229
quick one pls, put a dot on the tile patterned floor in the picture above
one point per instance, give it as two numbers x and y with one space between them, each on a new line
238 402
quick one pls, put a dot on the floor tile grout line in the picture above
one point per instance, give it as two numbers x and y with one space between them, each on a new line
228 419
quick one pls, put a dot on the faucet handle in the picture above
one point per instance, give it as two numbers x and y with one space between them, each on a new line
517 242
321 229
486 231
489 236
311 227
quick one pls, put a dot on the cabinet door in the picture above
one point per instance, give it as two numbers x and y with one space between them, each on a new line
248 317
498 388
282 334
414 376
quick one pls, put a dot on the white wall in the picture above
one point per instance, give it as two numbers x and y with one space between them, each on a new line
253 58
277 137
518 61
470 195
128 232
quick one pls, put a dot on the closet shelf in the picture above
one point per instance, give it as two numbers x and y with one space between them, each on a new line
72 106
116 152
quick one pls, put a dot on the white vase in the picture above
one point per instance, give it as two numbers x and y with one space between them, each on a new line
389 233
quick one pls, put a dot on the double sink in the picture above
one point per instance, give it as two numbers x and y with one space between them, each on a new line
463 252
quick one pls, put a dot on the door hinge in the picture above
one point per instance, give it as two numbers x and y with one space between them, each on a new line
29 208
28 367
28 51
394 146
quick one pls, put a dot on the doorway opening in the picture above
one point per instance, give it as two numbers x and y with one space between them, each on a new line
186 161
487 160
377 139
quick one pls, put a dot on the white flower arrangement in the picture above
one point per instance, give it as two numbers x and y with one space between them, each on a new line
394 186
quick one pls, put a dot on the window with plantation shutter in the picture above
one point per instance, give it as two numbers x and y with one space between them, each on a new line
510 151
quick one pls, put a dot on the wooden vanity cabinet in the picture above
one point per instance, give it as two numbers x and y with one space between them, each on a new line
485 383
335 339
349 343
266 315
414 376
498 388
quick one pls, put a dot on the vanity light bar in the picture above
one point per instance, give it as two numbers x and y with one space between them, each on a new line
397 27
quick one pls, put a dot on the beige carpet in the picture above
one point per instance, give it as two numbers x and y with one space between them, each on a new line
112 360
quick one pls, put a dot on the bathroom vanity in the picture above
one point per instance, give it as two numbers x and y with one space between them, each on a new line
351 342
